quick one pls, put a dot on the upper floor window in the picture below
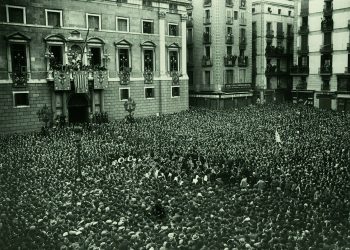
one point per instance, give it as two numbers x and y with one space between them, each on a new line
173 60
147 26
243 4
20 99
235 15
122 1
172 8
173 29
93 21
147 3
279 11
15 14
95 56
123 24
19 57
53 18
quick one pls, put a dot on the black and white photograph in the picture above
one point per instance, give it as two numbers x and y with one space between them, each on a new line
175 124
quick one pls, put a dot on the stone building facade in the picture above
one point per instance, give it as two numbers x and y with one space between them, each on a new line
322 55
81 57
272 48
219 53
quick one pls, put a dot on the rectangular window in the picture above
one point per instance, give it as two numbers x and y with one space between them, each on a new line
229 50
124 62
148 60
174 60
123 24
243 3
53 18
268 26
172 8
16 14
149 93
57 52
97 99
93 22
242 73
124 94
207 51
147 27
279 28
190 36
229 76
175 91
19 57
21 99
279 11
95 53
253 10
235 15
173 29
289 13
147 3
207 77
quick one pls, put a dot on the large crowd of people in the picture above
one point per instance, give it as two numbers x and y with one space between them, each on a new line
200 179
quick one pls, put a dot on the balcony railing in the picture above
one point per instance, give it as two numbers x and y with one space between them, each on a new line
229 20
237 87
299 70
229 39
242 43
270 34
243 21
272 70
206 20
327 25
189 22
243 61
272 51
303 30
19 79
325 70
230 60
327 11
326 49
206 61
206 38
280 35
229 3
303 50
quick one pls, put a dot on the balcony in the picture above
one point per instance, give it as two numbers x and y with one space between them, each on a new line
270 34
272 51
325 71
206 61
326 49
327 25
229 20
206 20
243 61
206 38
303 50
327 11
303 30
19 79
229 39
237 87
280 35
243 21
272 70
230 60
297 70
229 3
189 22
242 44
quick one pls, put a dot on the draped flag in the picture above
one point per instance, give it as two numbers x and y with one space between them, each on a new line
277 137
80 82
61 80
100 79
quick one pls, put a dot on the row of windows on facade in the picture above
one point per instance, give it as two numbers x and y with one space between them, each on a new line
242 3
270 11
229 77
19 58
229 17
54 18
21 98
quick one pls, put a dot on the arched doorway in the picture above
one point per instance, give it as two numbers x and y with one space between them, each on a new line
78 108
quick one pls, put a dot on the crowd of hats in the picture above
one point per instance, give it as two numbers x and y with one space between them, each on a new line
198 179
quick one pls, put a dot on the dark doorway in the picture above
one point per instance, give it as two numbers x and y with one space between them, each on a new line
78 108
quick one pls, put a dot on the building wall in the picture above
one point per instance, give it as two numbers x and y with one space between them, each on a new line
74 18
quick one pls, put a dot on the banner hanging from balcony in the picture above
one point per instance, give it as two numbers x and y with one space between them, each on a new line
81 81
100 79
61 80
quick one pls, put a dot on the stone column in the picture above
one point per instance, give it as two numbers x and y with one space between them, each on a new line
183 45
162 52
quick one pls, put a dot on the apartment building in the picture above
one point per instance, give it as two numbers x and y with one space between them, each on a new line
272 48
81 57
219 53
321 74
